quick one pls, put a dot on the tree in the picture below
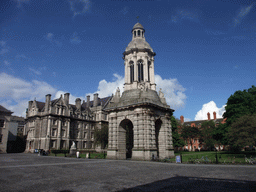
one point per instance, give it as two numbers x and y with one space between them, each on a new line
101 136
243 132
189 133
207 132
177 142
239 104
220 134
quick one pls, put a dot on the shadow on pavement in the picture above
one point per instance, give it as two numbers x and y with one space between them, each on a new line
195 184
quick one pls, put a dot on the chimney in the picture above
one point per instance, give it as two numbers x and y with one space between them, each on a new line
88 101
66 98
181 119
214 115
95 100
47 102
78 103
209 116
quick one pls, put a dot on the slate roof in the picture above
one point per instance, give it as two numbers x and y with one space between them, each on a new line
199 122
101 101
4 110
40 105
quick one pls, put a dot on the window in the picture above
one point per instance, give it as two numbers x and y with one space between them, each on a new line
1 123
85 144
92 135
63 131
85 135
54 122
140 71
54 132
134 33
131 72
53 144
138 32
1 137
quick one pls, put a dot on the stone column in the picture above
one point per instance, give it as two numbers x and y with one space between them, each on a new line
114 123
146 69
68 129
110 134
48 134
59 134
141 131
135 69
135 132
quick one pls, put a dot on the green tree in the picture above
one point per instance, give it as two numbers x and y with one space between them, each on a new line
101 136
189 134
220 134
243 132
207 132
176 137
239 104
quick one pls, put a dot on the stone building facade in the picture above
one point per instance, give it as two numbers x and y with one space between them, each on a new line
54 124
5 115
139 120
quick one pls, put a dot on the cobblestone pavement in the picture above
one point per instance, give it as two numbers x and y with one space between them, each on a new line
29 172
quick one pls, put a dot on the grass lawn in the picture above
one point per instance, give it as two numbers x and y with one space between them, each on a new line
224 157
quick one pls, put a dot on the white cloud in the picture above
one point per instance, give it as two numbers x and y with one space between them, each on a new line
3 48
185 15
79 7
75 39
49 36
7 63
243 12
35 71
16 92
210 107
173 91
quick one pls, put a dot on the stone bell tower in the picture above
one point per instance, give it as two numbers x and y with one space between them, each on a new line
139 119
139 61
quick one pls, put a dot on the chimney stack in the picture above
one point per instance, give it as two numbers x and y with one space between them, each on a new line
88 101
181 119
66 98
209 116
214 115
95 101
78 103
47 102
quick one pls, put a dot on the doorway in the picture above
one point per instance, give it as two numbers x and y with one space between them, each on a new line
126 138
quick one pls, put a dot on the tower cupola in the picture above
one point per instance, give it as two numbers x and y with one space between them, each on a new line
139 61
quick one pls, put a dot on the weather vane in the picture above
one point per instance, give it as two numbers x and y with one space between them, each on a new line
137 18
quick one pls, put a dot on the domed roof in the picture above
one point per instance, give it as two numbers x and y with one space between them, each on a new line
138 43
137 26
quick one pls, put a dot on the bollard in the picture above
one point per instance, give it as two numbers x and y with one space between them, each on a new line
77 154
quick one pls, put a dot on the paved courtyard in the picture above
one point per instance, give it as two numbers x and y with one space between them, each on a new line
29 172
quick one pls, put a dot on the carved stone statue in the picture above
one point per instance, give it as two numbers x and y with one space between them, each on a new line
73 146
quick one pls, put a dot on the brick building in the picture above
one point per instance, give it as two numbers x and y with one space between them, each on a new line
197 144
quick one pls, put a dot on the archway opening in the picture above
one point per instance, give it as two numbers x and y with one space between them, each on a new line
158 124
126 134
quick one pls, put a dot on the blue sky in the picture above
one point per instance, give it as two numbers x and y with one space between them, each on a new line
205 49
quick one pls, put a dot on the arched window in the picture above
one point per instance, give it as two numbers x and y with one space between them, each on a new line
140 71
134 33
138 32
131 71
149 63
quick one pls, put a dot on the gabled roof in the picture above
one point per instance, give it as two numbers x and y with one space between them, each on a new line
4 110
199 122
